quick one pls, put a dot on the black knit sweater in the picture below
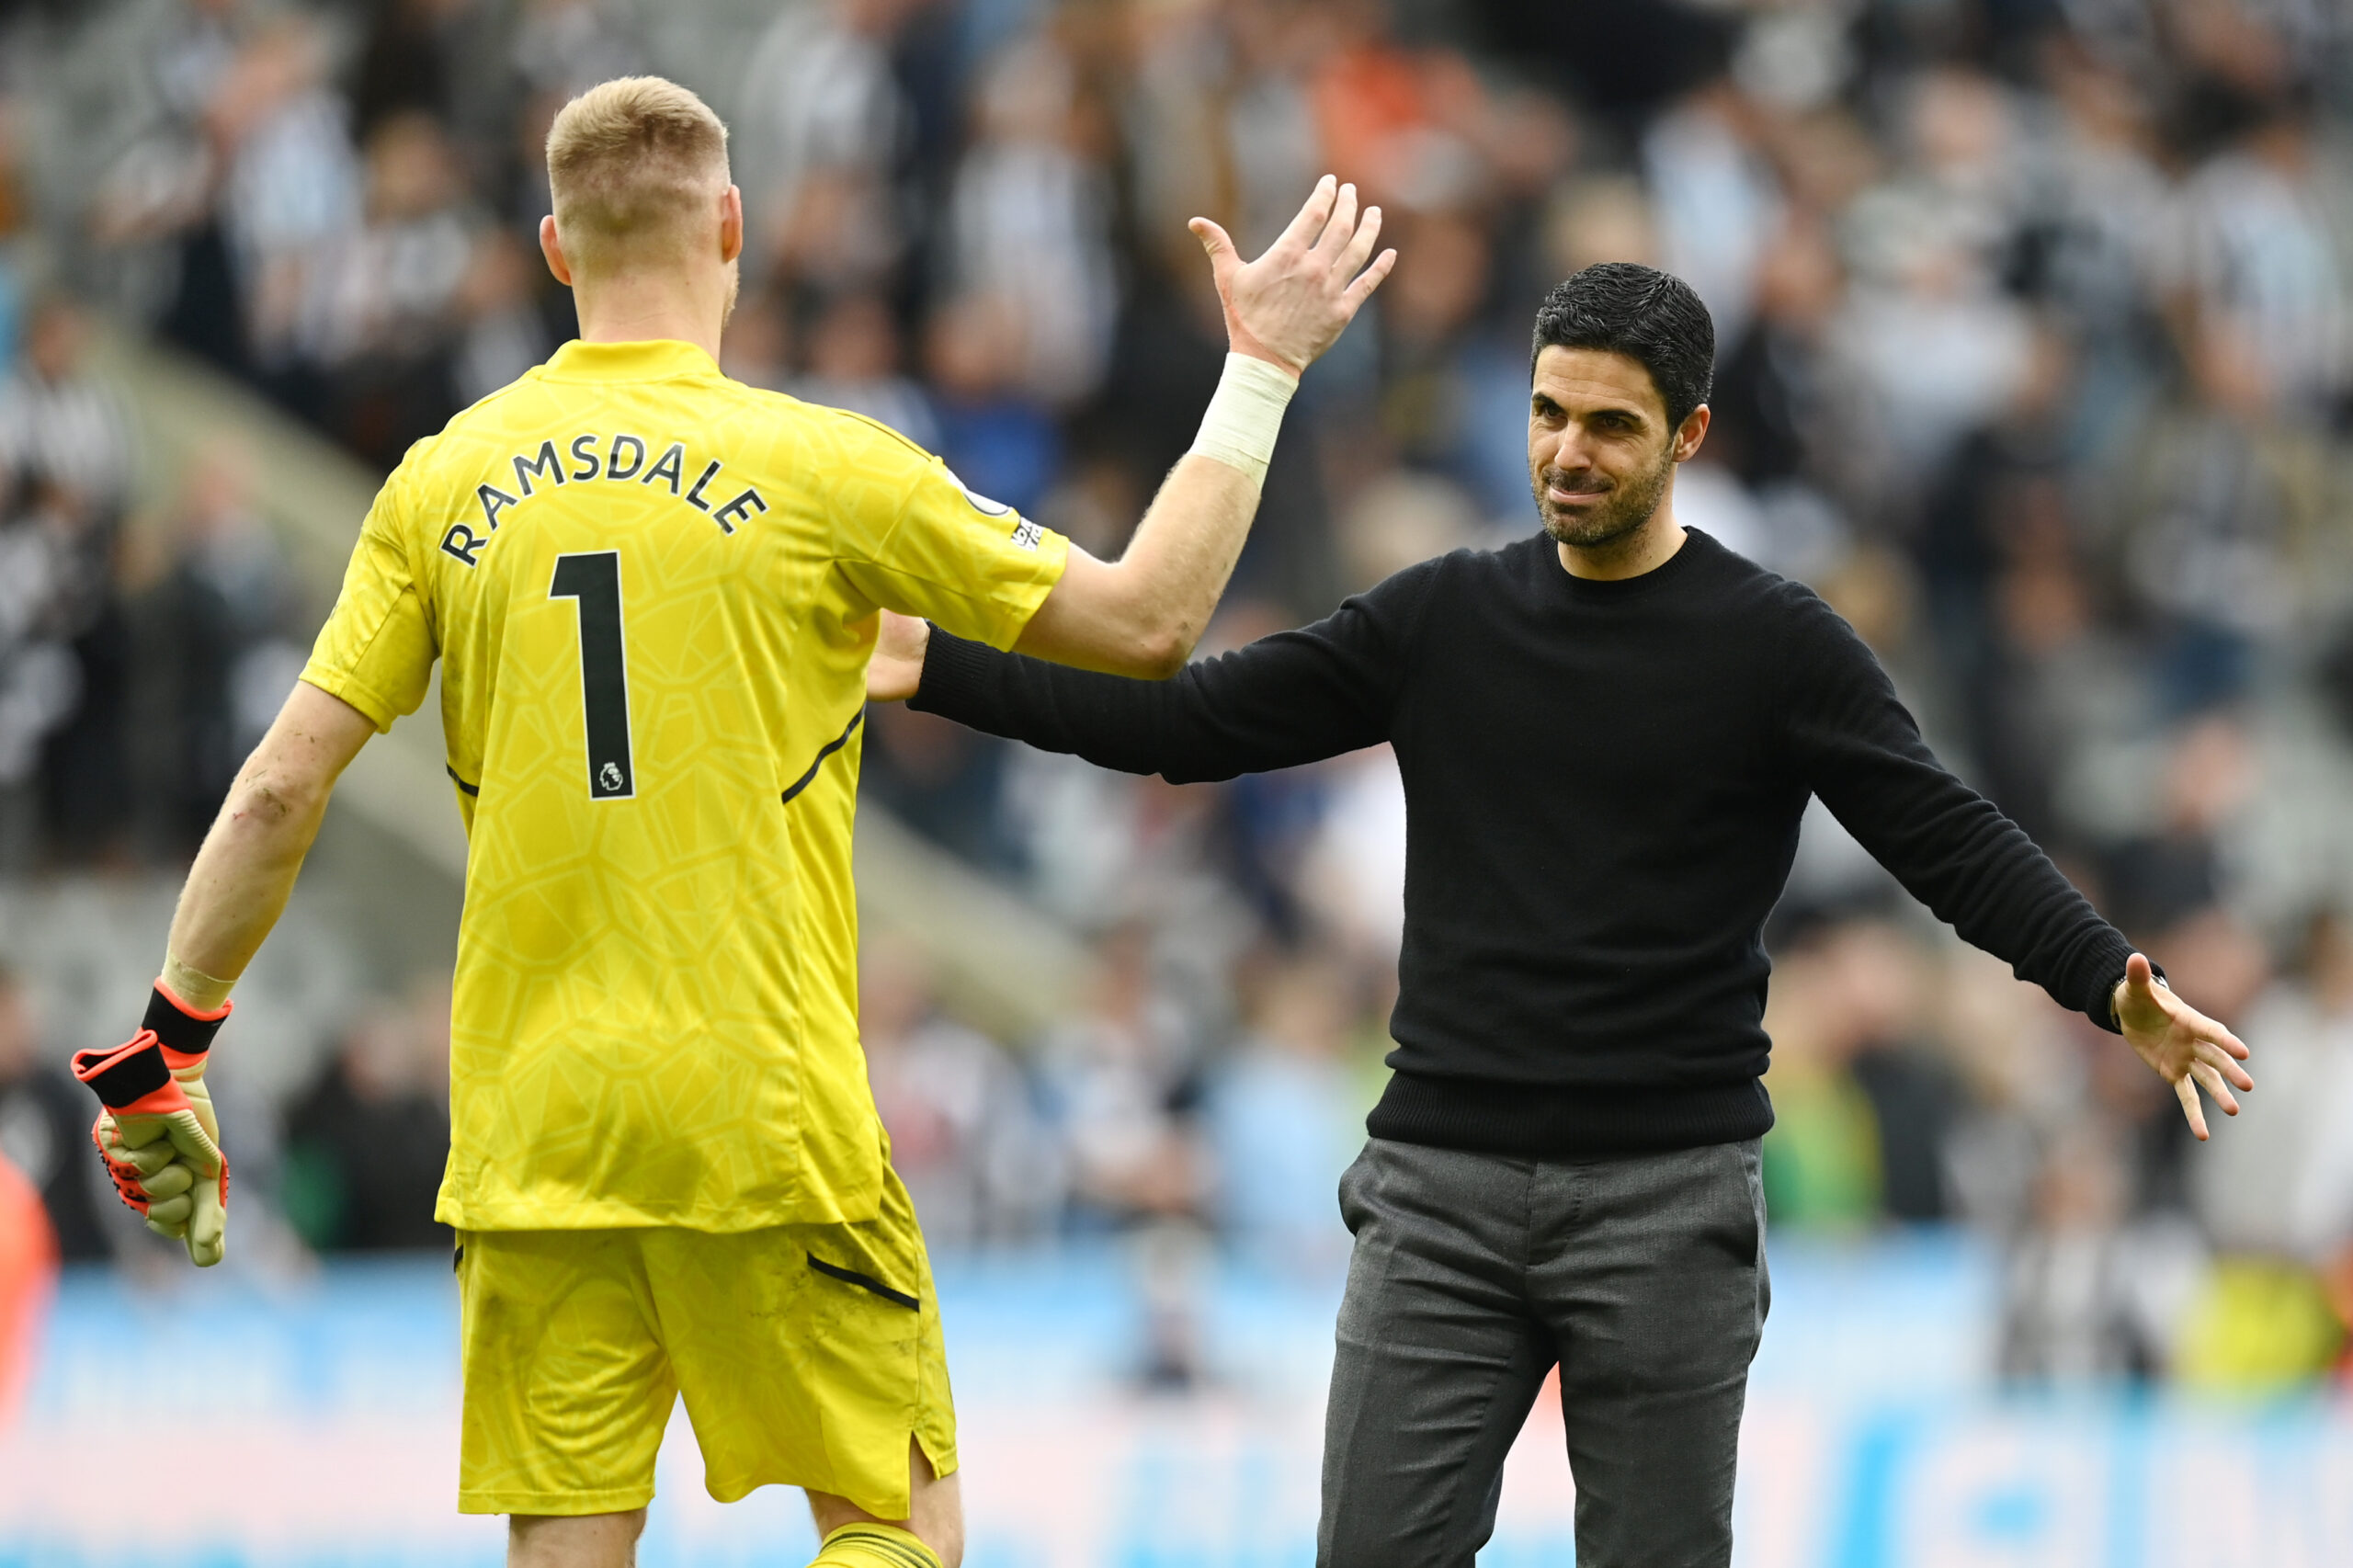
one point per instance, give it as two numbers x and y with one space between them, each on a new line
1603 783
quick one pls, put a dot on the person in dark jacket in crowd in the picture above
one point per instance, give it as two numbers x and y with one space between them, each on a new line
45 1131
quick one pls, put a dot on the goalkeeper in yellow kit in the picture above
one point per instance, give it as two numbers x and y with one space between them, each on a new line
652 593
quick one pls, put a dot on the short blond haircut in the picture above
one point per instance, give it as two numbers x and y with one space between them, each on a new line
632 167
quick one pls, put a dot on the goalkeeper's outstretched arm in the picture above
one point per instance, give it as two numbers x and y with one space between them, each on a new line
1141 614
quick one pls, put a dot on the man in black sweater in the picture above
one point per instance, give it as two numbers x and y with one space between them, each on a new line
1607 733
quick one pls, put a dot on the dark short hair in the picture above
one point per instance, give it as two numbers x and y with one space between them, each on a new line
1652 317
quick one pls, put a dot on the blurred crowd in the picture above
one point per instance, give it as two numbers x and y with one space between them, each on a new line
2035 356
138 664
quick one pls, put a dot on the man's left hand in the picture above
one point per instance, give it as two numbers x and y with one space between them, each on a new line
157 1132
2189 1049
895 671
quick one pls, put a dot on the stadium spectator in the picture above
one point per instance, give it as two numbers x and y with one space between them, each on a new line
1029 222
818 147
39 683
854 363
365 1143
61 426
67 444
2218 505
209 659
2077 1302
1281 1116
1122 1078
965 1133
503 331
758 347
2263 262
564 47
288 186
2277 1201
944 783
1822 1158
45 1131
1122 1075
1002 443
384 306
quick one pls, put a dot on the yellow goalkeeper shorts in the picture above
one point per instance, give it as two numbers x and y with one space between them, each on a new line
808 1356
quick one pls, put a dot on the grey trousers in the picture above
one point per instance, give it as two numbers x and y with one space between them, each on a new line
1641 1275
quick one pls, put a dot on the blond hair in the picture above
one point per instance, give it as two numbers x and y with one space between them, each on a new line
632 163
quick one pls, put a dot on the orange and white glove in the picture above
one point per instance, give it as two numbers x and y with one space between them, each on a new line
157 1134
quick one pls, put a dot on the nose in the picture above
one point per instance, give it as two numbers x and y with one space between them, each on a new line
1568 451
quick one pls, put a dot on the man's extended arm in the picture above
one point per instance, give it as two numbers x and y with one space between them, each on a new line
1857 748
1293 697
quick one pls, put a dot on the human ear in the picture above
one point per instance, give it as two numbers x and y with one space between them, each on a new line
551 248
731 225
1694 431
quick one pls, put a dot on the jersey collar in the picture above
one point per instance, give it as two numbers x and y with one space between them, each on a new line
656 359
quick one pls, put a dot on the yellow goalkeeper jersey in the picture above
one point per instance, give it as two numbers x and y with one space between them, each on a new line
653 592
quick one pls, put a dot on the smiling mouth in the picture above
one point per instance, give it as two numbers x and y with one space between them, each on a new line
1561 495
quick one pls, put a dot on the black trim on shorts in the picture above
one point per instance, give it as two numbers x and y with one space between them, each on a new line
864 1282
822 753
896 1550
463 787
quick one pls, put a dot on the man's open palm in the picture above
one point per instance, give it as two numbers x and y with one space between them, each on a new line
2189 1050
1292 302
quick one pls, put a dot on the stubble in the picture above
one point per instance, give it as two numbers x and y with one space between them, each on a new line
1633 503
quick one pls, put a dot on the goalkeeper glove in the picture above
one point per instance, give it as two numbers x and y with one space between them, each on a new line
157 1134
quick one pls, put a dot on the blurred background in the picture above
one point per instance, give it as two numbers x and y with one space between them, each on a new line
2035 326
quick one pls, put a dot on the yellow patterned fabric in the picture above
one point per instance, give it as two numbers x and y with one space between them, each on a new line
653 592
808 1356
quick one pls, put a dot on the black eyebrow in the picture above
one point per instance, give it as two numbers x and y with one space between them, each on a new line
1545 402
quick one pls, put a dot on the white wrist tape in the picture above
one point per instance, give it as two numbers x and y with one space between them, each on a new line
193 986
1245 416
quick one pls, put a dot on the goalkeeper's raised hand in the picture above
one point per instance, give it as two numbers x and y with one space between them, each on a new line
1292 303
157 1132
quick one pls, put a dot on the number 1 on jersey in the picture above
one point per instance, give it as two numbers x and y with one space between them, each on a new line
594 582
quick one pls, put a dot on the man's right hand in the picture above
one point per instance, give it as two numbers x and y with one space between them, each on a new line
1292 303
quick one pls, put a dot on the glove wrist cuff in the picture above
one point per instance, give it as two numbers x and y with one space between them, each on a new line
131 1079
185 1032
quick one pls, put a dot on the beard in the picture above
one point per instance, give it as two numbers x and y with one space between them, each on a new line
1630 503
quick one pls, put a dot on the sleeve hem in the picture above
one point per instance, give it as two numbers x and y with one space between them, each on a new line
2110 968
1006 613
2100 1012
953 670
1014 619
347 689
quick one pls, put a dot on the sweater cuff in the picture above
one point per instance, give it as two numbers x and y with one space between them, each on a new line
2100 1007
955 672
